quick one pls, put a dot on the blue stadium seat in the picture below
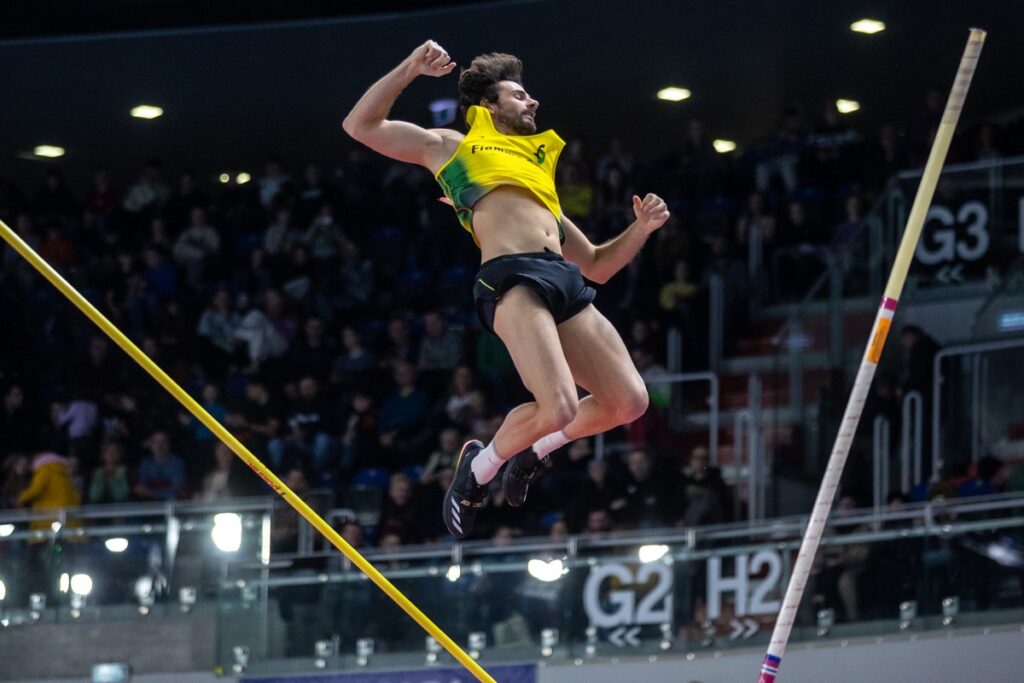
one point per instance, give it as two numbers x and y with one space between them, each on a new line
374 477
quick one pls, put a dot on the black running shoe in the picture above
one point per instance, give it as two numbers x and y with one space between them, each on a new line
464 496
519 472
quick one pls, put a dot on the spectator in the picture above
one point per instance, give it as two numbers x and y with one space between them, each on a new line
109 482
705 494
464 406
400 514
311 419
310 354
149 193
443 457
403 417
647 501
161 473
219 484
77 422
440 347
355 362
197 247
264 332
218 334
16 474
50 488
280 235
272 182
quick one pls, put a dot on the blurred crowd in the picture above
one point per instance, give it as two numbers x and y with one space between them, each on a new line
322 314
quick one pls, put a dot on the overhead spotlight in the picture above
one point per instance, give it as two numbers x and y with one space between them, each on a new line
6 530
847 106
243 178
724 146
545 571
674 94
652 553
48 151
147 111
454 573
116 545
81 584
869 26
227 532
55 527
224 177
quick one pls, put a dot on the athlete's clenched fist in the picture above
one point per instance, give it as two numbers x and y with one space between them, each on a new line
651 212
430 59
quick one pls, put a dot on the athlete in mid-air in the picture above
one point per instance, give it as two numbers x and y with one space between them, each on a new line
530 290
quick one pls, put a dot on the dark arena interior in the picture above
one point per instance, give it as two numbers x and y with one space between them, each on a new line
335 347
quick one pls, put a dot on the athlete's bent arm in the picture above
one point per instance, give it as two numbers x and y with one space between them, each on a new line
368 122
599 263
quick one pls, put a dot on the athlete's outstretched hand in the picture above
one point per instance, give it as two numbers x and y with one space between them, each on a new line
430 59
651 212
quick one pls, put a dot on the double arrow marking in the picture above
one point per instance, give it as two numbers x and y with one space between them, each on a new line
743 629
623 636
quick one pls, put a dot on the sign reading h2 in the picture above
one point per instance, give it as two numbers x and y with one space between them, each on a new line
750 594
618 594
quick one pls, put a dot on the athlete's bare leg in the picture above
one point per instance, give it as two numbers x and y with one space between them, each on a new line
600 363
584 350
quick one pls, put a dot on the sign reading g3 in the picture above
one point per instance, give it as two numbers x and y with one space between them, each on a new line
941 243
631 598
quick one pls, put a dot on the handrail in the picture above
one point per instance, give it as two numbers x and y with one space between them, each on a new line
1016 268
948 352
982 165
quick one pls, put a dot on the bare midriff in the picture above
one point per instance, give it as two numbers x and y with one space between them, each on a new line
510 220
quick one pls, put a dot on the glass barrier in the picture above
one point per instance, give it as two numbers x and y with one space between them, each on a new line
919 567
124 561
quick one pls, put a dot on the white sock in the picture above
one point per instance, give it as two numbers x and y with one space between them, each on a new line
486 464
552 442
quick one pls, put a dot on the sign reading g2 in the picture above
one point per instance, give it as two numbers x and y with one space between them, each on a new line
618 594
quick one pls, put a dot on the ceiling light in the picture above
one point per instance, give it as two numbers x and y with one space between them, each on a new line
453 573
116 545
147 111
847 106
868 26
724 146
224 177
48 151
243 178
6 530
3 591
673 94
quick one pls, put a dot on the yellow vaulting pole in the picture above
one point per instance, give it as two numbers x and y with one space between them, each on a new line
241 451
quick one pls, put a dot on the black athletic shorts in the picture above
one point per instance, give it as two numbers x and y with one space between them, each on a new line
557 282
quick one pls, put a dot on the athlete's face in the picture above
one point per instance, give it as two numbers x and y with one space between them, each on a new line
514 111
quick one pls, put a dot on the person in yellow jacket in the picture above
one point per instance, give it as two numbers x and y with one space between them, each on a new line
50 487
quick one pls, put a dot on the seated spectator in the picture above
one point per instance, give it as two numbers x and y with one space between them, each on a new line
272 182
360 445
705 494
257 419
280 235
400 514
403 417
50 488
443 457
599 521
440 347
149 193
77 422
647 500
325 238
841 565
197 247
310 354
160 276
400 346
202 437
311 420
218 334
109 482
464 406
218 483
161 473
265 332
355 361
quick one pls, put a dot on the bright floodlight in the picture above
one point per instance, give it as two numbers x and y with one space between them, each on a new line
673 94
65 582
55 527
48 151
847 106
116 545
652 553
243 178
81 584
224 178
545 571
227 532
867 26
6 530
3 590
453 573
147 111
724 146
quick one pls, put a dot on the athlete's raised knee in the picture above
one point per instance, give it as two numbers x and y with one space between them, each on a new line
558 410
632 403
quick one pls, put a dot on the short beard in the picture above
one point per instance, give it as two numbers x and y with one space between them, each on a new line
518 125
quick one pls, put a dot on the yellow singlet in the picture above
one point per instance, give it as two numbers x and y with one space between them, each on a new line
487 159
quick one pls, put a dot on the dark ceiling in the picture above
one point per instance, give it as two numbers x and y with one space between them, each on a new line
239 82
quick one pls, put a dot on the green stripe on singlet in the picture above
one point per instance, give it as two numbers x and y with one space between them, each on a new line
485 284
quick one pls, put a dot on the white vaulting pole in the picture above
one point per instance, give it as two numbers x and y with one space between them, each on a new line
879 331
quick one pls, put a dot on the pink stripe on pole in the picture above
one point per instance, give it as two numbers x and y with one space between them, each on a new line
769 669
889 304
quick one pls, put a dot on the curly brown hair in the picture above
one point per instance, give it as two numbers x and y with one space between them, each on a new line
480 80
